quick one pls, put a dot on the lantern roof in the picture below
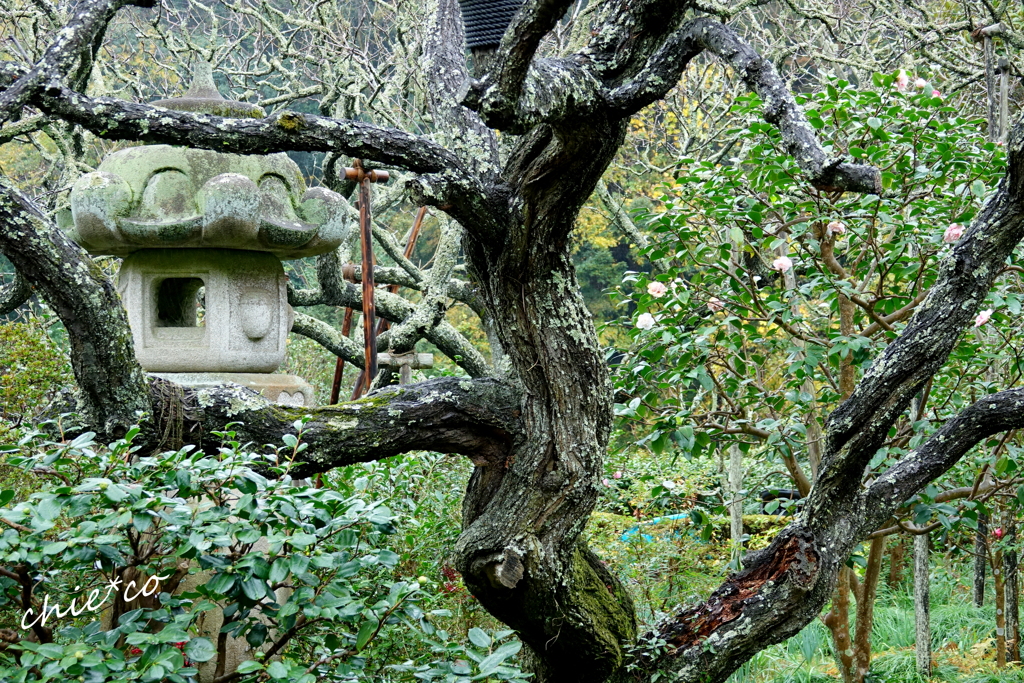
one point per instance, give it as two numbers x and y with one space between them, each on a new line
163 196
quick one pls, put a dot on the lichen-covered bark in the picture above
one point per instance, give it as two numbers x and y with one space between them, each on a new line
14 294
102 355
477 418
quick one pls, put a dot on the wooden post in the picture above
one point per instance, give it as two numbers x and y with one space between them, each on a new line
997 580
382 325
923 645
984 35
364 178
736 500
339 367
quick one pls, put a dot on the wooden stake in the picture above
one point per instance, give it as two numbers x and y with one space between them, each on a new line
383 325
339 367
366 241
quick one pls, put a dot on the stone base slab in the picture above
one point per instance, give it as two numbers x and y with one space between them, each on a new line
289 390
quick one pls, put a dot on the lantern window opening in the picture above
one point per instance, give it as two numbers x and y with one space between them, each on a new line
181 302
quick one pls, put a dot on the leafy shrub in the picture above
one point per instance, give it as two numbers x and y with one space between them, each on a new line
300 573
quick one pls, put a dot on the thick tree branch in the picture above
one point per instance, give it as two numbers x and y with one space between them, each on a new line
499 92
659 75
14 294
329 338
859 426
430 311
477 418
116 119
781 110
464 133
990 415
395 309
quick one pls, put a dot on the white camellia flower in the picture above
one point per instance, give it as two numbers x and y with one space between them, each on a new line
645 321
782 264
657 289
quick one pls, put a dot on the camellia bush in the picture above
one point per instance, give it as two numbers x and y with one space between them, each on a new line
301 575
770 298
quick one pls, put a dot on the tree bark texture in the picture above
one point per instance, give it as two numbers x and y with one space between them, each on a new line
536 426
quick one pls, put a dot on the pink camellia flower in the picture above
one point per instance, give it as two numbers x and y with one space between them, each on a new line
715 304
902 80
836 228
606 482
645 321
954 232
983 317
782 264
617 475
936 93
657 289
920 83
997 532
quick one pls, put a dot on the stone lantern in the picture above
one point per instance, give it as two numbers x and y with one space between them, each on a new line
203 235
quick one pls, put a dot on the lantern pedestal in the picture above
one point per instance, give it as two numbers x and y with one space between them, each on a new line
287 390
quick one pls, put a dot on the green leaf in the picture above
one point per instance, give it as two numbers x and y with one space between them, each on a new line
494 660
249 667
277 670
54 548
256 635
254 588
200 650
301 540
220 583
279 570
365 632
874 123
6 496
479 638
